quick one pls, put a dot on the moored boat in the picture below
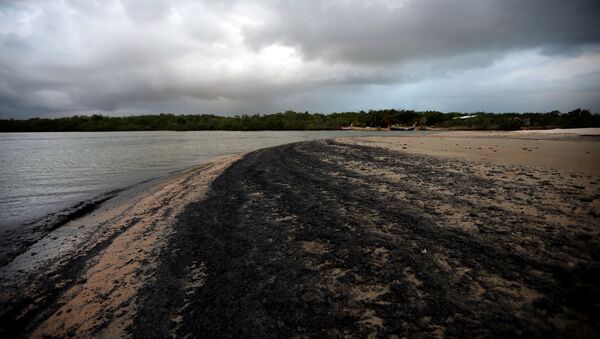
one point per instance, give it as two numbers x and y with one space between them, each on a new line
403 128
355 128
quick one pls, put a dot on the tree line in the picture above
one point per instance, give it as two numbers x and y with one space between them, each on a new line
291 120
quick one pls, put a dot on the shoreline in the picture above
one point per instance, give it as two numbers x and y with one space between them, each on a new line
434 232
18 239
549 130
103 251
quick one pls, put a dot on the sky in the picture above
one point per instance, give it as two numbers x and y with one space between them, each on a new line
118 57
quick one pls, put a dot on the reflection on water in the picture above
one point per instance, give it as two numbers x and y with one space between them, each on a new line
41 173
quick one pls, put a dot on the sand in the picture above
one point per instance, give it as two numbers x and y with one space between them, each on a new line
467 234
98 263
332 239
558 149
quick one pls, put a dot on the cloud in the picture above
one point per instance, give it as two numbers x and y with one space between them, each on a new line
391 32
122 57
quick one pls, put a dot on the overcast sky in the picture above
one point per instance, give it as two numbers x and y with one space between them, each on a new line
228 57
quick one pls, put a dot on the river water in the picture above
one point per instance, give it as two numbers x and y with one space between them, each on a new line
42 173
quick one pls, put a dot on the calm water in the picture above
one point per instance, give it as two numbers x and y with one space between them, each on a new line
41 173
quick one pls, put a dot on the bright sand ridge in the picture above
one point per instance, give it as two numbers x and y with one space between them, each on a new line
550 150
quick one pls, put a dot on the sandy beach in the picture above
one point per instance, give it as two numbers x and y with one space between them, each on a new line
82 279
458 234
573 150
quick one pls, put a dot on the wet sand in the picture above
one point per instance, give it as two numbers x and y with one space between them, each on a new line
460 235
82 279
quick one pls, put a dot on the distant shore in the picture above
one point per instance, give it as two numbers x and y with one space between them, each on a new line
290 120
462 234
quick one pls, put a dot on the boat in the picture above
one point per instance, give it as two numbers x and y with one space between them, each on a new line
403 128
355 128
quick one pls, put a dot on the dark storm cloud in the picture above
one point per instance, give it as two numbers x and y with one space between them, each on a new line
397 31
118 57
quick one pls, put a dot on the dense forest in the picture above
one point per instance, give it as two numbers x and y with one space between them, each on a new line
291 120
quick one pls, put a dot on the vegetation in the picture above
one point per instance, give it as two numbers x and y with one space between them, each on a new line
305 121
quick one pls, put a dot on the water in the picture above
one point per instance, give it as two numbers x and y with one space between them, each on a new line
42 173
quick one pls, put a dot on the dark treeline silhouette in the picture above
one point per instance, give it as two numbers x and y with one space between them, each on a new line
291 120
